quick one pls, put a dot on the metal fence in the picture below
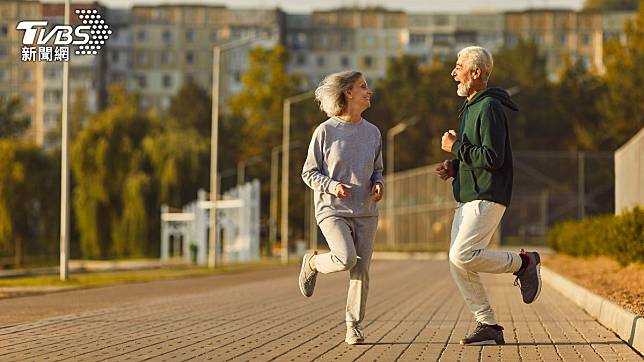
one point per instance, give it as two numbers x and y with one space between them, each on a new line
419 217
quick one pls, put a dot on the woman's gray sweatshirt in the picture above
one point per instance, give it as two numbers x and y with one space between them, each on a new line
348 153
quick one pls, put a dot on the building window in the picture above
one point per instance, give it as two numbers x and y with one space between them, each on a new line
4 30
166 57
300 59
417 39
344 41
323 41
563 39
53 96
141 81
167 81
237 77
345 61
141 35
167 36
115 56
28 98
585 39
189 78
190 36
370 41
142 58
3 75
368 61
190 57
51 119
320 61
214 36
26 75
3 52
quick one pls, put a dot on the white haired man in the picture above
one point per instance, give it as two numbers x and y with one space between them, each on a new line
482 172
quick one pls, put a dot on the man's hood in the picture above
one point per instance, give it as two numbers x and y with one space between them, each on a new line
495 92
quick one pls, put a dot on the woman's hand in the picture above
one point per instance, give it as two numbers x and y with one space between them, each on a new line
342 191
377 192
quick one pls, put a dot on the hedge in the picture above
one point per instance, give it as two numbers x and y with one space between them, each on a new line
619 237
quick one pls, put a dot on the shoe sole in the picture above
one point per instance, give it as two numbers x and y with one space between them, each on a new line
299 280
538 281
352 343
487 342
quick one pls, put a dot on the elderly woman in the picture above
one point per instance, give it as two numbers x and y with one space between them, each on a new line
344 169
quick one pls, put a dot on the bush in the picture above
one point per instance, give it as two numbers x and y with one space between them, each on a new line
620 237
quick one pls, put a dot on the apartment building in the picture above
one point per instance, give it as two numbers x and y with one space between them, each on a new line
566 33
173 44
348 38
442 35
17 78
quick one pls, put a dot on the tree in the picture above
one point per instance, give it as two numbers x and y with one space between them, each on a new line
621 107
266 85
28 199
115 200
12 123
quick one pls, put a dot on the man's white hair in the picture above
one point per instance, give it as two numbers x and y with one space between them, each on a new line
478 57
330 92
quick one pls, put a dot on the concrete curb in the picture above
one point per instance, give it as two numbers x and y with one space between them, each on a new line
627 325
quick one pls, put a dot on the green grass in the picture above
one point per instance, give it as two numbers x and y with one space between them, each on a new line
86 279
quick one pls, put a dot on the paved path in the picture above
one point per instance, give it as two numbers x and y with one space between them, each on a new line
414 313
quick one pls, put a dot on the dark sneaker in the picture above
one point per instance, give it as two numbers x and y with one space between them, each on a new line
308 275
529 277
485 334
354 335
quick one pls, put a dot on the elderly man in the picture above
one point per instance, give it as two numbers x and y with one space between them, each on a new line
482 185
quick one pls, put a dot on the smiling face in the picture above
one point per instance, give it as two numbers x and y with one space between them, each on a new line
463 76
359 96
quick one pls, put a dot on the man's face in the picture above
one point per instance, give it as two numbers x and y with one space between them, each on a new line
463 76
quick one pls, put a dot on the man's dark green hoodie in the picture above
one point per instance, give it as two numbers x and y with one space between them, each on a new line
483 164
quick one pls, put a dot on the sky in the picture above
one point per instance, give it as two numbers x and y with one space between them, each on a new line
305 6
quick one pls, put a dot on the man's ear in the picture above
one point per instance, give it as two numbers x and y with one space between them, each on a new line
476 73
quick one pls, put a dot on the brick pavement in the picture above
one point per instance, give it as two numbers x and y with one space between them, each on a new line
414 313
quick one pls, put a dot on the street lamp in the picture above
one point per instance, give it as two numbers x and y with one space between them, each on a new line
64 169
216 55
286 134
391 133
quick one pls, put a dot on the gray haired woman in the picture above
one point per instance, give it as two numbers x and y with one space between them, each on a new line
344 169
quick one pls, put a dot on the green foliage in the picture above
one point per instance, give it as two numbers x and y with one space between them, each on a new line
620 237
114 202
266 85
12 124
621 107
28 200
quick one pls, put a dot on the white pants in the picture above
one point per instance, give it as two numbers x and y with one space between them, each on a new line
472 229
351 242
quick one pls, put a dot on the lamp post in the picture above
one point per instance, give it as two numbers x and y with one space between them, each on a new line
391 133
286 134
64 169
216 56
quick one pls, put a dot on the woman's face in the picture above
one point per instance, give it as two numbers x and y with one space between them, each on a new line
359 96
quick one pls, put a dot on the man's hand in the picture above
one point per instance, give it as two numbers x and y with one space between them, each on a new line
377 192
342 191
448 139
445 170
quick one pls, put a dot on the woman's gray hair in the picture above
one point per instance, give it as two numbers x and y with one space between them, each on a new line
330 92
478 57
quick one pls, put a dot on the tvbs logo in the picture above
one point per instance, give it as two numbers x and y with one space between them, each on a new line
88 38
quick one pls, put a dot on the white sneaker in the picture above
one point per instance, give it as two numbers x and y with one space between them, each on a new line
308 275
354 335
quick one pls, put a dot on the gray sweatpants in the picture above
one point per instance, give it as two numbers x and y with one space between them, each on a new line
351 244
